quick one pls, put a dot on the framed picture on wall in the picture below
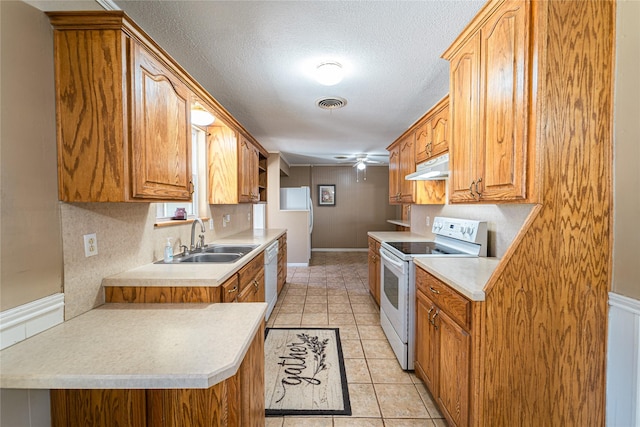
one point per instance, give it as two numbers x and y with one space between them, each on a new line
326 195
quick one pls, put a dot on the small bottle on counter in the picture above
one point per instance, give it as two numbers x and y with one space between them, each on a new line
168 251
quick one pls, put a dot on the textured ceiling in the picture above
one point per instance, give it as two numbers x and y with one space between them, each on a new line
256 59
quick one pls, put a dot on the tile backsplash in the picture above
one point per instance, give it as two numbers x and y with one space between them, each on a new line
126 238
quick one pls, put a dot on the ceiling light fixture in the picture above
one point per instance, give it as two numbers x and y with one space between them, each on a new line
329 73
361 165
200 116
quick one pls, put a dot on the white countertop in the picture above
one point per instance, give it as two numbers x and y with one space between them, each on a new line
145 346
399 222
469 276
195 274
398 236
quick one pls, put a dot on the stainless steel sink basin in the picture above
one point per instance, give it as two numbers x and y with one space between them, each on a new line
242 249
209 258
214 254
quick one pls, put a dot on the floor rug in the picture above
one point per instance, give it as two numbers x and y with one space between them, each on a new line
304 372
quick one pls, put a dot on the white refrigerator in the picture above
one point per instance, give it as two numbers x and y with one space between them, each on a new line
296 204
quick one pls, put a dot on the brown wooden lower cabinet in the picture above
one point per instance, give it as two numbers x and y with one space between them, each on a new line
282 261
443 346
374 269
236 401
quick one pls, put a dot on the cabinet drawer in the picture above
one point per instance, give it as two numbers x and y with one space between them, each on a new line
250 271
451 302
230 289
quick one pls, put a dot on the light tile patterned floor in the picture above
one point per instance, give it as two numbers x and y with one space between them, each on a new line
333 291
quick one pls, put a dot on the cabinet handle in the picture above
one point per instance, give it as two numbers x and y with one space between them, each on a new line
435 291
471 189
192 188
256 285
232 290
433 319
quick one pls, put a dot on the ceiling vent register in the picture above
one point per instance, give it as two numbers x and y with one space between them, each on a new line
332 103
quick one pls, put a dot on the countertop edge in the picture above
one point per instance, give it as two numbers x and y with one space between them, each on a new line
142 276
481 274
87 381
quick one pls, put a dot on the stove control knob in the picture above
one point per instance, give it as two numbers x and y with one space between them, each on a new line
463 230
470 230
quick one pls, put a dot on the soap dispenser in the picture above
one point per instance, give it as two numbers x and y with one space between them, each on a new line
168 251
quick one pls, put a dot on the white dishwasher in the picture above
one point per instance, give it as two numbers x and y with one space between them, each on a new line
271 277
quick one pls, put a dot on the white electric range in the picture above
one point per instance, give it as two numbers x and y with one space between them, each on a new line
454 237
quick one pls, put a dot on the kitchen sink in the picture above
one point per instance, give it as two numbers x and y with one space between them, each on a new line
242 249
209 258
213 254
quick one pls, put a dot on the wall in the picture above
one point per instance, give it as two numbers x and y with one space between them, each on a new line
361 205
126 238
626 268
623 359
31 247
503 221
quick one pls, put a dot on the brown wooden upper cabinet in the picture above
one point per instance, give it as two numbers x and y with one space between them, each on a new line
248 189
425 139
123 113
402 162
490 107
432 134
237 167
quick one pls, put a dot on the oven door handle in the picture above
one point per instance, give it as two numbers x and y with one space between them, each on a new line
387 257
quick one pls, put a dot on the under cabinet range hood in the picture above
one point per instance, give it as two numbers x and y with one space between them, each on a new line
431 170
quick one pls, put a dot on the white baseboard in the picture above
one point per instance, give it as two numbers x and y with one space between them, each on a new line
19 323
297 264
623 362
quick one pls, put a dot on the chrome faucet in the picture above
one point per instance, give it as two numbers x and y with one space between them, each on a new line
200 243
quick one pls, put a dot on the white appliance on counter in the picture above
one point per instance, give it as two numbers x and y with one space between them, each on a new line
454 238
270 277
296 205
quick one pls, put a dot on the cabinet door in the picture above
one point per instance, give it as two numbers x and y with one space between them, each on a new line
282 262
439 132
248 173
222 162
504 103
455 364
423 137
464 104
394 175
427 356
160 131
374 270
407 166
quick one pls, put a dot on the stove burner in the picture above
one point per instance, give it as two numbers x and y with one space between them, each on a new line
424 248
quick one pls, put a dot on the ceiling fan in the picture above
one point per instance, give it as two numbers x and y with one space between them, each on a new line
360 161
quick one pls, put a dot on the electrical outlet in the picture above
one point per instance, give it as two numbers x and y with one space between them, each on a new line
210 223
90 245
428 221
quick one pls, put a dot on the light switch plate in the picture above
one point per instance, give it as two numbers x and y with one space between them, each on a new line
90 245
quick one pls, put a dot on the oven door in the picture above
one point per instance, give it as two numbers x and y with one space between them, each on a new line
394 293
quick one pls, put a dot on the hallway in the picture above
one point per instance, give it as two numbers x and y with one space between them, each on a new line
333 291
